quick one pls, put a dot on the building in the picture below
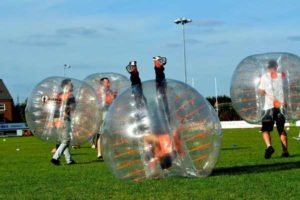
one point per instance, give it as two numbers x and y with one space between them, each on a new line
6 104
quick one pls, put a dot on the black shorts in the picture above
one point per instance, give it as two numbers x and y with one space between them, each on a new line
272 116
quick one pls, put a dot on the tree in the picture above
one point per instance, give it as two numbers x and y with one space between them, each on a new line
19 112
225 109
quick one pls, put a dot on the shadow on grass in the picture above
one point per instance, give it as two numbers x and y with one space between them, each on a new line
249 169
79 153
234 148
82 147
90 162
294 155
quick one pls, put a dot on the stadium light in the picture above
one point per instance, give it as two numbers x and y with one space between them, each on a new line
216 103
66 67
183 21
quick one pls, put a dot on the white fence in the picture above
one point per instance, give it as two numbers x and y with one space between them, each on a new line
13 129
244 124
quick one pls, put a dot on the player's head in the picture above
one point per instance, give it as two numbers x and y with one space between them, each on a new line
166 161
66 84
105 82
159 61
272 65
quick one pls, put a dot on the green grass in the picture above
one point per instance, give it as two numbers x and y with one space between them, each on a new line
241 173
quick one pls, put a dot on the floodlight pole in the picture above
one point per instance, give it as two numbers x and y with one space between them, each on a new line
183 21
66 67
216 91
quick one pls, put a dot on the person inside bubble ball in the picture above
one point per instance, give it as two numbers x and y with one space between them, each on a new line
271 87
106 96
66 103
157 144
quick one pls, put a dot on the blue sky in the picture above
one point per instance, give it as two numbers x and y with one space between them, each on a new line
38 37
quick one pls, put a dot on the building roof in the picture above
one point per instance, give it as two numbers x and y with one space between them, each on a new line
4 93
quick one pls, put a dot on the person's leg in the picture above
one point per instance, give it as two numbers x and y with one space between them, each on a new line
267 127
91 140
161 86
134 75
68 157
54 149
65 141
136 87
58 153
267 138
284 143
99 153
280 121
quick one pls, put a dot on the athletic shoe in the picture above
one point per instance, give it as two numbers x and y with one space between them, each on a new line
72 162
131 67
268 152
285 154
162 60
54 161
297 137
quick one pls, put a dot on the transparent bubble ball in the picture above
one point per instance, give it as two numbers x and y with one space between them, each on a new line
118 83
161 133
245 82
53 110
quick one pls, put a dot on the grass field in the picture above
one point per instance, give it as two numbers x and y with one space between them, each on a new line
241 173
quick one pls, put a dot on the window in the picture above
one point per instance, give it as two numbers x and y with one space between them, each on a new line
2 107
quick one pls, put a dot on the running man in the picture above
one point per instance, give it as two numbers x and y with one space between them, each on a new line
271 88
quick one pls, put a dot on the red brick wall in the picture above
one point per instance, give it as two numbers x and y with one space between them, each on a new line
8 113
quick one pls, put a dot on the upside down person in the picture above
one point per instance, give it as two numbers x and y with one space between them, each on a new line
158 144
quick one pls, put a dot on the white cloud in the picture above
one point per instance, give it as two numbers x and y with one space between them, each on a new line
294 38
77 31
